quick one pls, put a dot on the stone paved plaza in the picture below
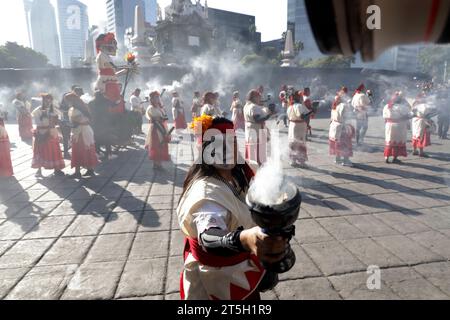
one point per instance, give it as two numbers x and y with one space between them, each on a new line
116 236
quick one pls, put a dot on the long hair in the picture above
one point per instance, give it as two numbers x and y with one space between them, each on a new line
241 172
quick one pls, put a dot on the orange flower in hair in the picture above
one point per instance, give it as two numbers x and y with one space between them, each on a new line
204 121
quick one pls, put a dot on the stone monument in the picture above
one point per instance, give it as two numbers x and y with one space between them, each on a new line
185 32
139 42
289 51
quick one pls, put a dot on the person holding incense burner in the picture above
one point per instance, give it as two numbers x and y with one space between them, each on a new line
224 249
396 114
158 137
341 131
298 114
256 133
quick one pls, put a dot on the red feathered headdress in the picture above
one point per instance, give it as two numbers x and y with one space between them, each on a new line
104 39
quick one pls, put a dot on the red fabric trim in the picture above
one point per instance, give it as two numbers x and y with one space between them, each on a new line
397 151
82 155
423 142
107 72
48 155
6 169
192 246
432 19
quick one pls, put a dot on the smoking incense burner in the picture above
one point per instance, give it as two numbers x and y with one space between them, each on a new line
278 220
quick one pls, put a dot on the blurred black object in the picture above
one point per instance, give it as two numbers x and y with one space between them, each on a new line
347 26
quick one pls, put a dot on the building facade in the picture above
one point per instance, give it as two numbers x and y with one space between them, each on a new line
120 16
230 27
42 29
401 58
73 29
151 11
297 15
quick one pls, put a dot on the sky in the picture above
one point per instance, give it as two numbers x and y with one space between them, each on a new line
271 16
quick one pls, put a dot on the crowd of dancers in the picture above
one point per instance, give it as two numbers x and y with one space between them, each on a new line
69 122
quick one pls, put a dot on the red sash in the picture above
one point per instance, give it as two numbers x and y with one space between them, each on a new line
193 247
107 72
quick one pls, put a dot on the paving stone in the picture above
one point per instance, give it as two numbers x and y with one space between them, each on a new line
407 250
436 218
150 245
354 287
175 267
303 268
137 191
306 289
399 203
130 204
17 228
69 208
100 205
371 253
9 278
436 273
269 296
51 227
37 209
434 241
43 283
122 222
5 245
176 243
173 296
370 205
340 228
94 281
402 222
161 190
309 231
317 209
160 297
332 258
113 247
370 226
155 221
24 253
409 284
67 251
86 225
142 278
343 207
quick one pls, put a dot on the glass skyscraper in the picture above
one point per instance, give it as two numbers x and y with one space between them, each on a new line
73 27
42 29
297 14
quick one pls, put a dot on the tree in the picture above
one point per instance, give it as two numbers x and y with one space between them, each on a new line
252 59
328 62
432 59
13 55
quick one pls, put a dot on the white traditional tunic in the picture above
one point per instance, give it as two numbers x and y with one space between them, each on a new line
339 121
106 72
83 143
203 282
156 143
256 134
421 126
341 131
360 103
82 129
298 129
396 132
211 110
